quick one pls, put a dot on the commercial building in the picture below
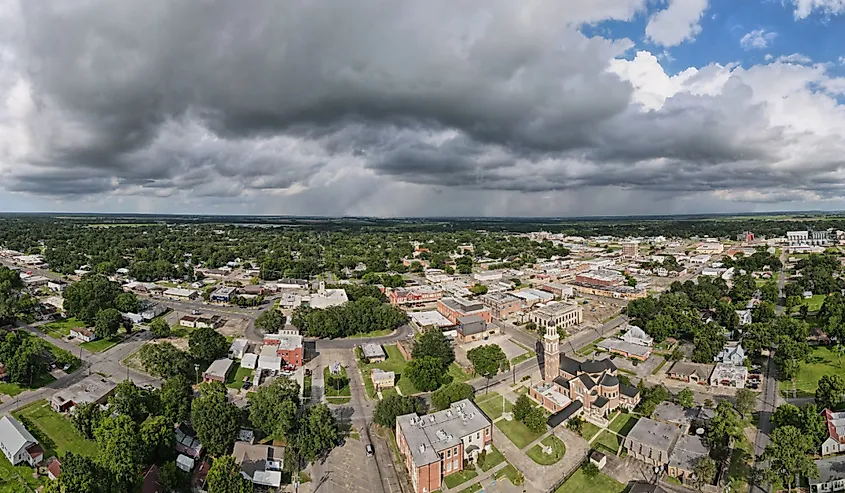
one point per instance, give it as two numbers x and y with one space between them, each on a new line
488 275
631 249
57 285
413 295
181 294
616 292
557 289
557 314
501 305
382 379
223 294
691 372
429 320
473 328
217 370
93 388
728 375
625 349
601 277
238 348
531 297
374 353
288 347
454 308
287 284
438 444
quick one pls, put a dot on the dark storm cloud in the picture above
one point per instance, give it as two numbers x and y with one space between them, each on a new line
218 98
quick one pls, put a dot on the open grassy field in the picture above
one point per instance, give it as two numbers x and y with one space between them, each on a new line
100 345
493 404
395 363
235 379
461 477
814 303
580 483
607 442
61 328
54 431
588 430
623 423
517 432
822 361
539 456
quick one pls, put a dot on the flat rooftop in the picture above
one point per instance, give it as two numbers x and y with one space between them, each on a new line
90 389
654 433
428 435
427 318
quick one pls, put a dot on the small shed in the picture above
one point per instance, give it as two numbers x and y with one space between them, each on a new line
249 360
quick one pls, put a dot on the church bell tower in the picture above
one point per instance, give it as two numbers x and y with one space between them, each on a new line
552 353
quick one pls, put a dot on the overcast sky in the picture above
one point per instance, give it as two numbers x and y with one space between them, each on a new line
421 108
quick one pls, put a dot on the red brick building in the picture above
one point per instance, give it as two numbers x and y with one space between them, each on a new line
416 294
455 308
442 443
288 346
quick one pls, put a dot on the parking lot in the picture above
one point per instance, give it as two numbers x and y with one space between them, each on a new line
348 469
511 349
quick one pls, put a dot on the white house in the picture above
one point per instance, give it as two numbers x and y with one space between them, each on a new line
83 334
238 348
56 285
732 354
831 476
18 444
744 317
636 335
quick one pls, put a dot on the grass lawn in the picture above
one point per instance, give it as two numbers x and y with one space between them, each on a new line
332 391
539 456
457 373
523 357
472 488
395 363
338 400
739 469
493 404
589 348
17 479
100 345
235 379
61 328
457 478
822 361
54 431
588 430
579 483
623 423
375 333
659 367
508 471
814 304
491 459
607 442
517 432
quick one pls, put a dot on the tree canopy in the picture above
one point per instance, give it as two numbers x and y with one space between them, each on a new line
85 298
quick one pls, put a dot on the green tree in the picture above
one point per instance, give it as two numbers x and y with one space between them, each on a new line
133 401
317 432
535 420
108 322
725 427
86 418
433 343
488 360
787 453
830 391
705 471
273 408
80 474
746 401
522 407
426 373
443 397
121 450
90 295
787 415
394 405
685 398
206 344
590 470
176 396
166 360
270 321
157 436
660 327
224 476
478 289
171 478
215 419
160 328
765 312
127 303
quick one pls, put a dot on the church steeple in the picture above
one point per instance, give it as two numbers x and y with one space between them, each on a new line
552 353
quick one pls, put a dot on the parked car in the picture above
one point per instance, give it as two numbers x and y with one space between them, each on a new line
370 450
246 385
195 312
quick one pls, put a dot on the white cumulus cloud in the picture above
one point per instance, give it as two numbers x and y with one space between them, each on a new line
677 23
757 39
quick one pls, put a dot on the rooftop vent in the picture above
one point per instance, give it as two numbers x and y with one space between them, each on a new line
422 448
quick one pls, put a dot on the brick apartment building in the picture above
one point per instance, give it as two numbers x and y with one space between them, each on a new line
439 444
601 277
288 347
416 294
455 308
501 305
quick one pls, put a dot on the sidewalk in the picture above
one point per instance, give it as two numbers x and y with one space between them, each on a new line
481 477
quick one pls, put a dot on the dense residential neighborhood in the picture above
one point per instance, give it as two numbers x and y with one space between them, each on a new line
436 364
